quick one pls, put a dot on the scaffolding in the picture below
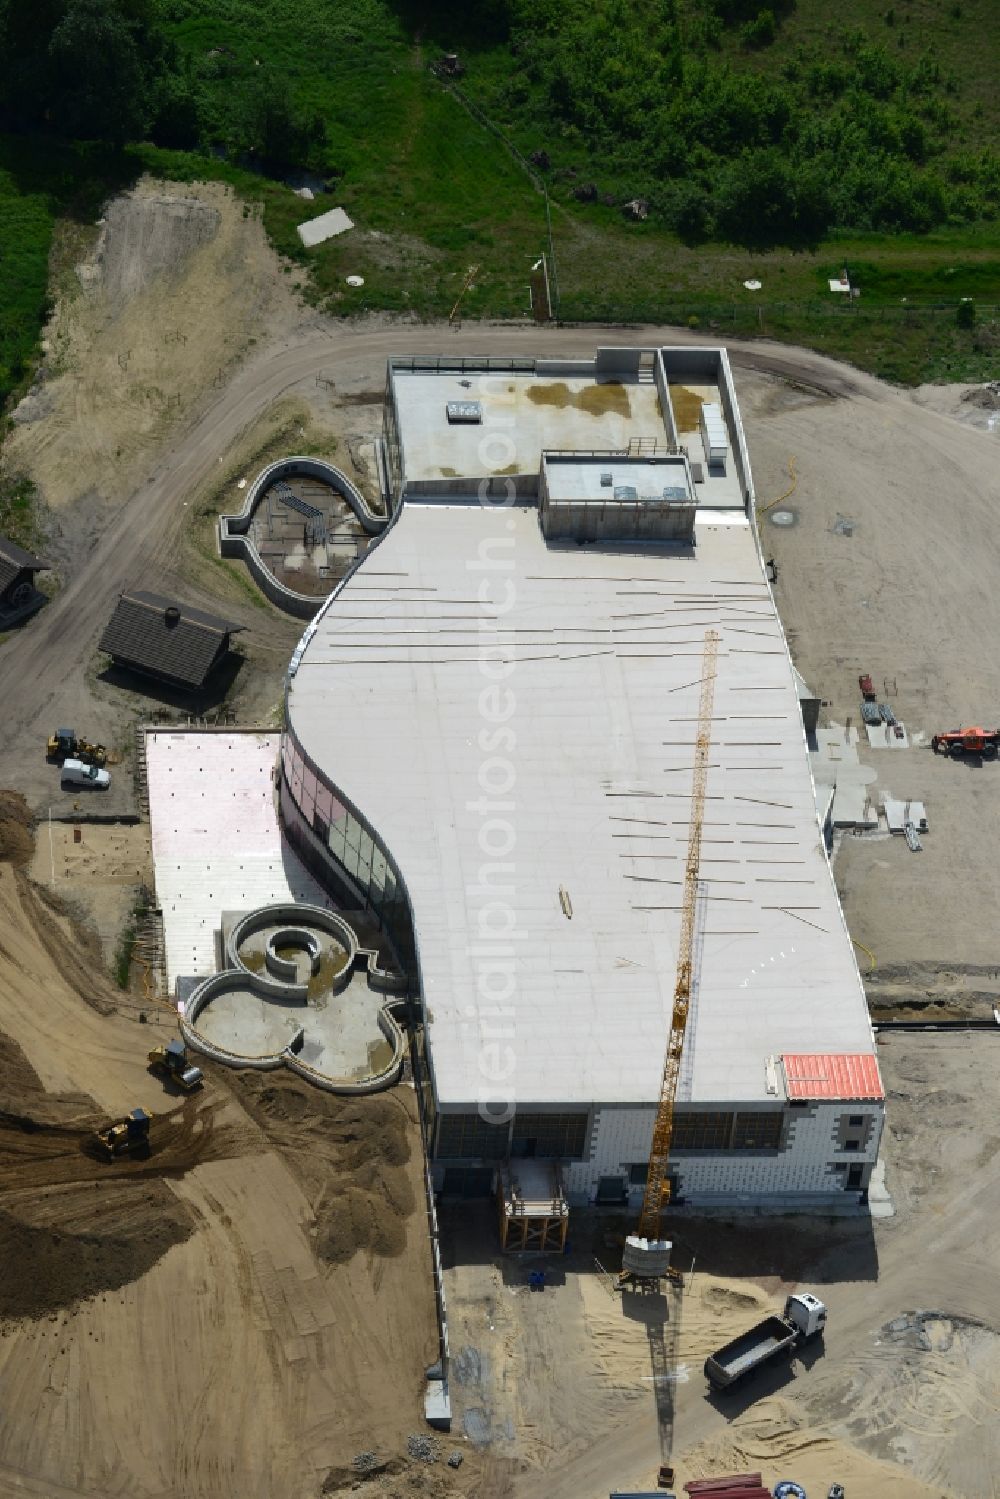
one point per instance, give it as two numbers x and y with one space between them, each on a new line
534 1213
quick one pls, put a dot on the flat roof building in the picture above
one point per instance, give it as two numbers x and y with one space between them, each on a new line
490 737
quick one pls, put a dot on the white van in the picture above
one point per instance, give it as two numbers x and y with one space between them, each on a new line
76 773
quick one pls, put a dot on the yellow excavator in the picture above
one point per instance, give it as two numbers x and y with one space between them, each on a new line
65 744
128 1136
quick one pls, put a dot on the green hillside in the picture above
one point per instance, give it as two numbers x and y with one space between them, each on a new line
777 143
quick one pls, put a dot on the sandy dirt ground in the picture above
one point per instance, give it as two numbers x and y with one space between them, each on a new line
181 278
243 1311
97 869
574 1391
908 597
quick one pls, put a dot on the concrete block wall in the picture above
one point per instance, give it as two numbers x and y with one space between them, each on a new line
618 1138
813 1136
805 1164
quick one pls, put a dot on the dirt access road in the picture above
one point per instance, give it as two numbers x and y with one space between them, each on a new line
42 668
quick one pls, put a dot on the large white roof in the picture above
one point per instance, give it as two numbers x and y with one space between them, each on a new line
392 698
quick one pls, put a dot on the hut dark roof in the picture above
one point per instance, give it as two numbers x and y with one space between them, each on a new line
166 639
14 559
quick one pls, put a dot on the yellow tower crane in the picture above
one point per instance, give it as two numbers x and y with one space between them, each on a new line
657 1193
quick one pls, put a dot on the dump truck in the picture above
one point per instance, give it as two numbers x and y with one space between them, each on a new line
171 1062
971 741
65 744
804 1318
128 1136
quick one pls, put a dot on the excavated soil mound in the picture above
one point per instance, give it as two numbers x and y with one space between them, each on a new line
351 1155
17 842
47 1268
70 1226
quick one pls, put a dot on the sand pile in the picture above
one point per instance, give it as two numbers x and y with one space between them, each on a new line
784 1443
351 1155
17 842
705 1315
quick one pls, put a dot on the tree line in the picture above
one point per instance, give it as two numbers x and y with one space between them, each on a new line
643 93
107 70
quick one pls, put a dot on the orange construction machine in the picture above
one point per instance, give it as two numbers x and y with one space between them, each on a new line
966 742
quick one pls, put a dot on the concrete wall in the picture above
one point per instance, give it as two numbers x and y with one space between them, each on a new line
666 404
713 364
235 539
570 369
614 520
237 976
450 491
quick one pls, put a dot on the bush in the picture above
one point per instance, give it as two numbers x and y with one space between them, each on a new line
965 315
759 32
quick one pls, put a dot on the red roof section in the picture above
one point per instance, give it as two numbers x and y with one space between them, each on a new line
846 1075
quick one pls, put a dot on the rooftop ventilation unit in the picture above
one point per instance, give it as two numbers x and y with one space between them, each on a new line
675 494
713 433
468 413
607 480
626 494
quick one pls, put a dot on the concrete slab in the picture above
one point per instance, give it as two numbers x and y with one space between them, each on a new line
324 227
883 736
342 1035
523 414
851 807
216 841
917 814
895 814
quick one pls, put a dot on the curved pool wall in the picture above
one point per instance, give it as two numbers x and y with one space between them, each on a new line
236 539
298 919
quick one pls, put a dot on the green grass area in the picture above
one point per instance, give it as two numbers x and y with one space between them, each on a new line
434 192
18 511
40 180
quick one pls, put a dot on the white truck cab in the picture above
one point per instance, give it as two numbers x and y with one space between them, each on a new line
76 773
807 1313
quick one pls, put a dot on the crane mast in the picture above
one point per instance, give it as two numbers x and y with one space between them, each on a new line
657 1193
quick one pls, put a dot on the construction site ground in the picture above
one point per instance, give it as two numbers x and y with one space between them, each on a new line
197 1324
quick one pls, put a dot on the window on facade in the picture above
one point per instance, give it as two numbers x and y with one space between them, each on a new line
379 868
365 848
701 1131
856 1120
467 1137
324 801
337 839
561 1135
852 1145
757 1131
295 779
638 1174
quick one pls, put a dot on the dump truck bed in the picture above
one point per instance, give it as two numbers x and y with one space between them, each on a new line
744 1353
